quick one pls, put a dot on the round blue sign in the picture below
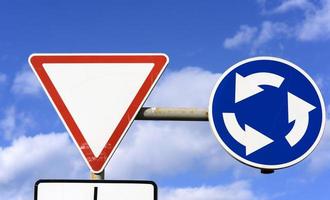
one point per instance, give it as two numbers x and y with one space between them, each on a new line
267 112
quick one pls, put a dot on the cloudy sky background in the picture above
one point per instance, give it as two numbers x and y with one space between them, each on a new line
202 39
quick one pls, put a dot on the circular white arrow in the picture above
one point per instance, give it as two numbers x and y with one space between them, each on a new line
298 111
252 139
250 85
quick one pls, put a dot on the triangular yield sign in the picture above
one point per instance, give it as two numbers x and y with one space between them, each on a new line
97 96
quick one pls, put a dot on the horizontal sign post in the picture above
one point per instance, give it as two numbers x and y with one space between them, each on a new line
172 114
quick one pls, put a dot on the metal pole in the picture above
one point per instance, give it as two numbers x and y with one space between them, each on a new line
173 114
97 176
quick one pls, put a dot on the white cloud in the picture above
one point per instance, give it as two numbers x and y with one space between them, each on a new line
257 38
240 190
316 25
14 123
188 87
28 159
269 31
288 5
243 36
26 83
168 149
313 25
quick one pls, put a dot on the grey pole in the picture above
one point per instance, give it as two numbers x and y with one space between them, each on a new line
173 114
97 176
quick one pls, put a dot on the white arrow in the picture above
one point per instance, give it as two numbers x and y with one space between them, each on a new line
252 139
298 111
248 86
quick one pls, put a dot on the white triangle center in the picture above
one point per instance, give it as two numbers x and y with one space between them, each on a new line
97 95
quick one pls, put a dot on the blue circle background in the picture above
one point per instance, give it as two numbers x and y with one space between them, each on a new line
267 112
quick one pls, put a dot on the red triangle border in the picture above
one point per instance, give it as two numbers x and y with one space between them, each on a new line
97 164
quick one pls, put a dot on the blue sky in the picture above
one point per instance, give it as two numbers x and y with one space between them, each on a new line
202 39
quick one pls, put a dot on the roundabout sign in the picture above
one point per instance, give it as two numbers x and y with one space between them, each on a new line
267 112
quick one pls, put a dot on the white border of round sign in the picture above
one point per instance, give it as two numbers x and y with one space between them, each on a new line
250 163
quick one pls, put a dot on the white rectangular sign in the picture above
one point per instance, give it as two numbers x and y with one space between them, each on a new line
95 190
